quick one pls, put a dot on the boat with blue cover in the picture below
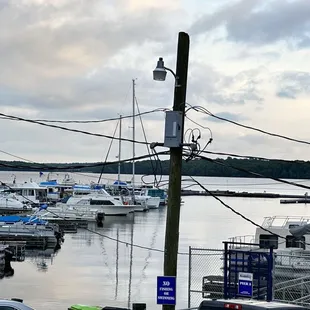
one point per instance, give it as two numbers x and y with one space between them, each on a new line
31 229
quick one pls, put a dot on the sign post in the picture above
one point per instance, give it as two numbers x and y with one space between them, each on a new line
166 290
245 284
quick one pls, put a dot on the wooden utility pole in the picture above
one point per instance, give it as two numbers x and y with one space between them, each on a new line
174 191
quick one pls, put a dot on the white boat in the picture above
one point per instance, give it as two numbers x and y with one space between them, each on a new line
29 192
155 192
9 203
85 198
68 181
63 212
55 191
132 196
290 239
29 229
142 198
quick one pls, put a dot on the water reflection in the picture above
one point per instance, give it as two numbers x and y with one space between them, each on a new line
116 262
6 270
42 258
91 269
157 226
106 266
130 266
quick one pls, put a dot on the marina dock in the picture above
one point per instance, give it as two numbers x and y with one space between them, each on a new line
240 194
293 201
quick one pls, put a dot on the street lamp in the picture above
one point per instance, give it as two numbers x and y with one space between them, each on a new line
175 173
160 72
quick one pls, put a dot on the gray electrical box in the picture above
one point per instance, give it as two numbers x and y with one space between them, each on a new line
173 129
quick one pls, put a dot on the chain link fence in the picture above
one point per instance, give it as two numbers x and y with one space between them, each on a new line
291 276
205 274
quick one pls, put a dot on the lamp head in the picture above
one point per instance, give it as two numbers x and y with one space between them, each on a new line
159 73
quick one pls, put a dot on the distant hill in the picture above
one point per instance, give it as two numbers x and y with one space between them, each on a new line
196 167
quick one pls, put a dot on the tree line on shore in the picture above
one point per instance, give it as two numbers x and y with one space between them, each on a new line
195 167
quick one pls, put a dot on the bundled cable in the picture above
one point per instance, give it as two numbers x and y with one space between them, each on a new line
207 112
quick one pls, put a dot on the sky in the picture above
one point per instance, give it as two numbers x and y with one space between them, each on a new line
76 59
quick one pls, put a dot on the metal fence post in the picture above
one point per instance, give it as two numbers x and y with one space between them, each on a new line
270 276
189 276
225 270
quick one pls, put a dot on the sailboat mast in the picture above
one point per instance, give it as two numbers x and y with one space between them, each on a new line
119 148
133 132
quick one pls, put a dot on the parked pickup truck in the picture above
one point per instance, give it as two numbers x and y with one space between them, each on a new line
245 304
13 304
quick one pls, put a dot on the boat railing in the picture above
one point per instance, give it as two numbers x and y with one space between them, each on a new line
292 258
283 221
239 241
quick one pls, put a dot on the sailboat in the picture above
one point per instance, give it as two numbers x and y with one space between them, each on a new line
128 191
139 196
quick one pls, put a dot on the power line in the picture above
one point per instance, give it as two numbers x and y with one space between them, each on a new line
90 230
88 121
70 129
148 149
251 172
205 111
96 232
205 152
109 149
240 214
18 157
46 167
203 127
236 212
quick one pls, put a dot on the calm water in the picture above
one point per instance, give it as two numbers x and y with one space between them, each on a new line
92 269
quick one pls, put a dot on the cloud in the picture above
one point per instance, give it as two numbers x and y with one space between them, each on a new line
75 59
48 41
223 89
75 54
293 84
286 93
258 23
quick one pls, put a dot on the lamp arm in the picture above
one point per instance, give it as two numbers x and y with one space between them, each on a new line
171 71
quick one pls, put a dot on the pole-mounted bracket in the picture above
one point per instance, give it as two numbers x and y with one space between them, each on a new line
193 146
154 144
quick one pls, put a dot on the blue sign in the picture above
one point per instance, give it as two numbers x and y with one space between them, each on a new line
166 290
245 284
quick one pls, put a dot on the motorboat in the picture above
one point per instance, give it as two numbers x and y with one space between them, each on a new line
29 192
68 181
155 192
9 203
70 213
287 238
129 195
142 198
31 229
55 191
290 239
84 197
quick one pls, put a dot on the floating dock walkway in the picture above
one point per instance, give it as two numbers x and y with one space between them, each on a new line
240 194
293 201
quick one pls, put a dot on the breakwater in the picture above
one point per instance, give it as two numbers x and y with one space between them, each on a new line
238 194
